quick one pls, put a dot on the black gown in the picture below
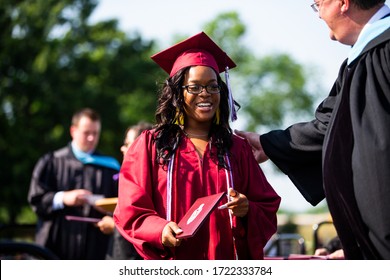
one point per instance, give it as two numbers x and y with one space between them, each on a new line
61 171
345 153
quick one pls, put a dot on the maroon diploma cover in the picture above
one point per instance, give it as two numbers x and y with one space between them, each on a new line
197 214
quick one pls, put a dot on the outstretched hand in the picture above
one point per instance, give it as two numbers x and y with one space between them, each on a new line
254 140
76 197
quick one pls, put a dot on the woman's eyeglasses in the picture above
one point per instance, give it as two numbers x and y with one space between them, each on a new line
197 89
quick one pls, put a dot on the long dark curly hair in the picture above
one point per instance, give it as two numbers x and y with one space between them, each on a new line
171 106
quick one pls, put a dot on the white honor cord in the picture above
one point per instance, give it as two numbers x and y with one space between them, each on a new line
229 180
230 183
169 187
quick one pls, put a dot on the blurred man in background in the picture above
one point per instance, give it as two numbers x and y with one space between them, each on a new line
66 183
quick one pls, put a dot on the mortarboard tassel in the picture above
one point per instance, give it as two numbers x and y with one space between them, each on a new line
233 112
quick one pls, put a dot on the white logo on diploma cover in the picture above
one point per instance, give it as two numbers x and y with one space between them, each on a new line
195 214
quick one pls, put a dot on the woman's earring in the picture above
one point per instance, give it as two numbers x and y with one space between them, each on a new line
179 118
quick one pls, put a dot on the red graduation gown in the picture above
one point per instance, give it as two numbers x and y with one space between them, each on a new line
141 212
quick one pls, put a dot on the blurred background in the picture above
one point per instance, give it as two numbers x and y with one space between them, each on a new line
57 56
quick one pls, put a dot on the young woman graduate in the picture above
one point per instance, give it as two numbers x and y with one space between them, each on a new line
192 153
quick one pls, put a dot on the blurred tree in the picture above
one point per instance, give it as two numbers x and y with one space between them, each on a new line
53 62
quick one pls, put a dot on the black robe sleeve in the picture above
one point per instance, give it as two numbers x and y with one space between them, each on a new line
43 186
297 151
61 171
351 135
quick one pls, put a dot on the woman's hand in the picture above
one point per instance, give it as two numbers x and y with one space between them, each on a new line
239 204
168 235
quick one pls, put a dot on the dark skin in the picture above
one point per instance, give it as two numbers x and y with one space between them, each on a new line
238 204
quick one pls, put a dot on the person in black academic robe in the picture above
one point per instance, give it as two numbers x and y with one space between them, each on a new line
62 172
344 153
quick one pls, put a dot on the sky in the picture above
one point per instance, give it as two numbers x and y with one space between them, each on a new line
288 26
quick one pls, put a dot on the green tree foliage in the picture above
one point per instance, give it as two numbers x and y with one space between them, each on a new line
275 91
53 62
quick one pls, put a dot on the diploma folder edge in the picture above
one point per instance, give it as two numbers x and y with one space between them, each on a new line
82 219
210 202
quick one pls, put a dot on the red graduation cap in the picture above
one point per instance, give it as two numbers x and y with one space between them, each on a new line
196 50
